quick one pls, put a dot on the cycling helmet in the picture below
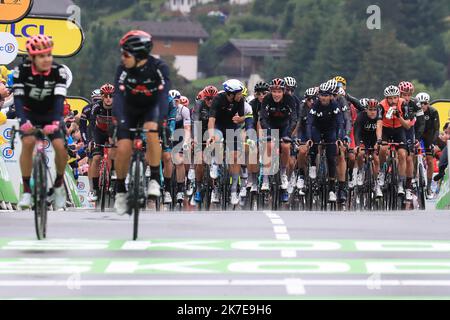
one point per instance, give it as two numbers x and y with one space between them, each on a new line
245 92
175 94
39 44
96 95
290 82
210 91
325 88
277 84
341 80
406 87
311 92
364 102
423 97
107 89
392 91
184 101
200 96
333 86
261 86
233 86
341 91
372 103
138 43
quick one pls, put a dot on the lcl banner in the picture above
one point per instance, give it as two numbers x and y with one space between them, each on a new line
67 35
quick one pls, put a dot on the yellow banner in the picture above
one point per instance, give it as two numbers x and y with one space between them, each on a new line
77 103
443 107
14 10
67 35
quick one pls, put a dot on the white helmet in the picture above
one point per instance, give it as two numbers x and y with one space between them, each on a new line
392 91
96 95
290 82
233 86
341 91
325 88
311 92
175 94
364 102
423 97
333 86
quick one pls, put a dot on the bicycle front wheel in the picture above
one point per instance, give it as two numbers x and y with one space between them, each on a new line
40 197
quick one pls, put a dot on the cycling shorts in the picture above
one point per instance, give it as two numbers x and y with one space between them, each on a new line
42 121
397 135
136 118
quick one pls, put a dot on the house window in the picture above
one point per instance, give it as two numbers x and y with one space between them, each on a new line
167 43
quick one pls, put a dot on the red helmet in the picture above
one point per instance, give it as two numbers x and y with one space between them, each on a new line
184 101
39 44
277 84
107 89
66 108
210 91
406 87
373 103
200 95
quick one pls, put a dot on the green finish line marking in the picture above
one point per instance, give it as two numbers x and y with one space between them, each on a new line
223 266
221 245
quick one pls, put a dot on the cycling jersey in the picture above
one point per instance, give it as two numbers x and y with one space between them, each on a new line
224 111
432 126
302 121
394 122
138 91
326 119
183 117
85 123
256 107
39 94
278 115
101 117
365 129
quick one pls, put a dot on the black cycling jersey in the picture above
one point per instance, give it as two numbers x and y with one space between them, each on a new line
365 128
85 123
201 114
256 109
278 115
432 125
41 94
345 109
101 117
302 120
224 111
326 119
137 89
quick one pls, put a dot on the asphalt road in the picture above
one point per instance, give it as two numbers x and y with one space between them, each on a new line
227 255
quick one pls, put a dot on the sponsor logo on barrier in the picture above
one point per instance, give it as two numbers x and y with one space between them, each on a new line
8 153
81 186
14 10
7 133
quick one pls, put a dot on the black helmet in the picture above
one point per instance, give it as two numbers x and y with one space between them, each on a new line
138 43
261 86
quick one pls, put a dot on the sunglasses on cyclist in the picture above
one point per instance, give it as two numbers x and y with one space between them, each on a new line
324 94
126 54
107 96
258 94
209 99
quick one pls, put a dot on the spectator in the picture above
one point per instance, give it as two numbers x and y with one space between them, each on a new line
443 160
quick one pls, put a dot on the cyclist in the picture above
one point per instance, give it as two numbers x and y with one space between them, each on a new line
430 135
39 93
226 111
276 114
102 132
365 131
167 143
325 122
201 119
416 122
86 133
261 90
142 83
310 98
394 112
291 86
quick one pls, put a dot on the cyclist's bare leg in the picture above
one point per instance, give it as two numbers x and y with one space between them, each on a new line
430 168
153 146
26 157
341 164
402 155
123 158
61 156
285 155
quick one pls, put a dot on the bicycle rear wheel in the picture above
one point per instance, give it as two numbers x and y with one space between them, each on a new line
103 186
421 189
134 193
40 197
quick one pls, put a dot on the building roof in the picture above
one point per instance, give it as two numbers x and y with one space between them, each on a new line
51 8
258 48
170 29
